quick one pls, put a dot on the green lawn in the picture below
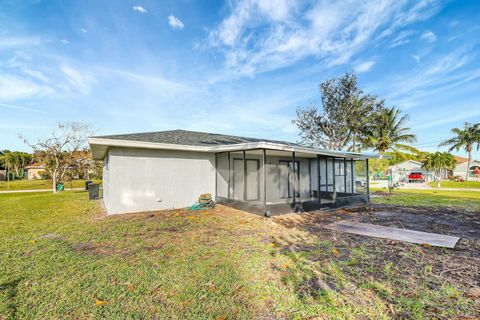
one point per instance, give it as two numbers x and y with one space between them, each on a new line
60 257
467 200
38 184
454 184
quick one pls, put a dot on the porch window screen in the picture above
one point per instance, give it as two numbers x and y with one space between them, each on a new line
237 179
339 167
252 179
288 179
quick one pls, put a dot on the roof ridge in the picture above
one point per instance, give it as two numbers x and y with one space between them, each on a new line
175 131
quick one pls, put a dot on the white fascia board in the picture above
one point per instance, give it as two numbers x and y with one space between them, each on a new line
99 148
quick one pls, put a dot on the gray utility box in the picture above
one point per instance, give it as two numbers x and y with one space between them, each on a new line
93 191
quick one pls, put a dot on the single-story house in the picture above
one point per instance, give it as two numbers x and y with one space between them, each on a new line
33 171
170 169
461 168
401 170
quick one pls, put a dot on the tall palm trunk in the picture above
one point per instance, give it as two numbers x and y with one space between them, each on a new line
377 161
469 164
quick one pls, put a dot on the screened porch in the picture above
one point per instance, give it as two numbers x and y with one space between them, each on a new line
271 182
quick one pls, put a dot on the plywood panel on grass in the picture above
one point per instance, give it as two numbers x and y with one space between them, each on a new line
412 236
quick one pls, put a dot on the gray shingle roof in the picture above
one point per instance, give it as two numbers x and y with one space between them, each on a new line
191 138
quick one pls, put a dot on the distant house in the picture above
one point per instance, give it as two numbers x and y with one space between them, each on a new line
462 165
403 169
170 169
33 171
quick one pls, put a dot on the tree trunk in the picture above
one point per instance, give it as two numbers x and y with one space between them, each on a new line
469 149
377 161
8 177
54 181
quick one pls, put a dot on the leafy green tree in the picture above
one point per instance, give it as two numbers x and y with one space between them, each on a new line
342 121
464 138
15 162
389 133
397 156
439 162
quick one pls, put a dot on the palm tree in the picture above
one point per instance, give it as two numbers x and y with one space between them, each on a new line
389 133
439 162
8 161
466 138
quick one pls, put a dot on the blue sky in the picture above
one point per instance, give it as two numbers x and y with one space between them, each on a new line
239 67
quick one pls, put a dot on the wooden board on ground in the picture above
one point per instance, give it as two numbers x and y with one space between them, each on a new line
372 230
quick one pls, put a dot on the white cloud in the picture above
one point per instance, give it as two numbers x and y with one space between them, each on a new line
466 116
78 81
157 84
263 35
448 63
364 66
23 64
21 108
399 43
139 9
429 36
416 58
84 30
175 23
440 75
17 42
35 74
15 88
401 38
64 41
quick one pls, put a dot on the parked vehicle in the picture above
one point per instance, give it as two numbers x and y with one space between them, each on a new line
416 177
361 182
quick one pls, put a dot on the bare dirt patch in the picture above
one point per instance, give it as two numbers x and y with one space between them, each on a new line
99 250
396 271
464 224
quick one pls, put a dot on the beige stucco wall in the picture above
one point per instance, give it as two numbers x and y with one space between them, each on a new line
33 173
144 180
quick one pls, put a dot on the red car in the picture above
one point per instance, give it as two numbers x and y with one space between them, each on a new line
416 177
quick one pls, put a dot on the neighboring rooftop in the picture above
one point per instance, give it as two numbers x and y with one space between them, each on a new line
189 138
459 159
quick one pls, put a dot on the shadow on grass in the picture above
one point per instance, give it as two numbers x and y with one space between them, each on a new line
9 291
